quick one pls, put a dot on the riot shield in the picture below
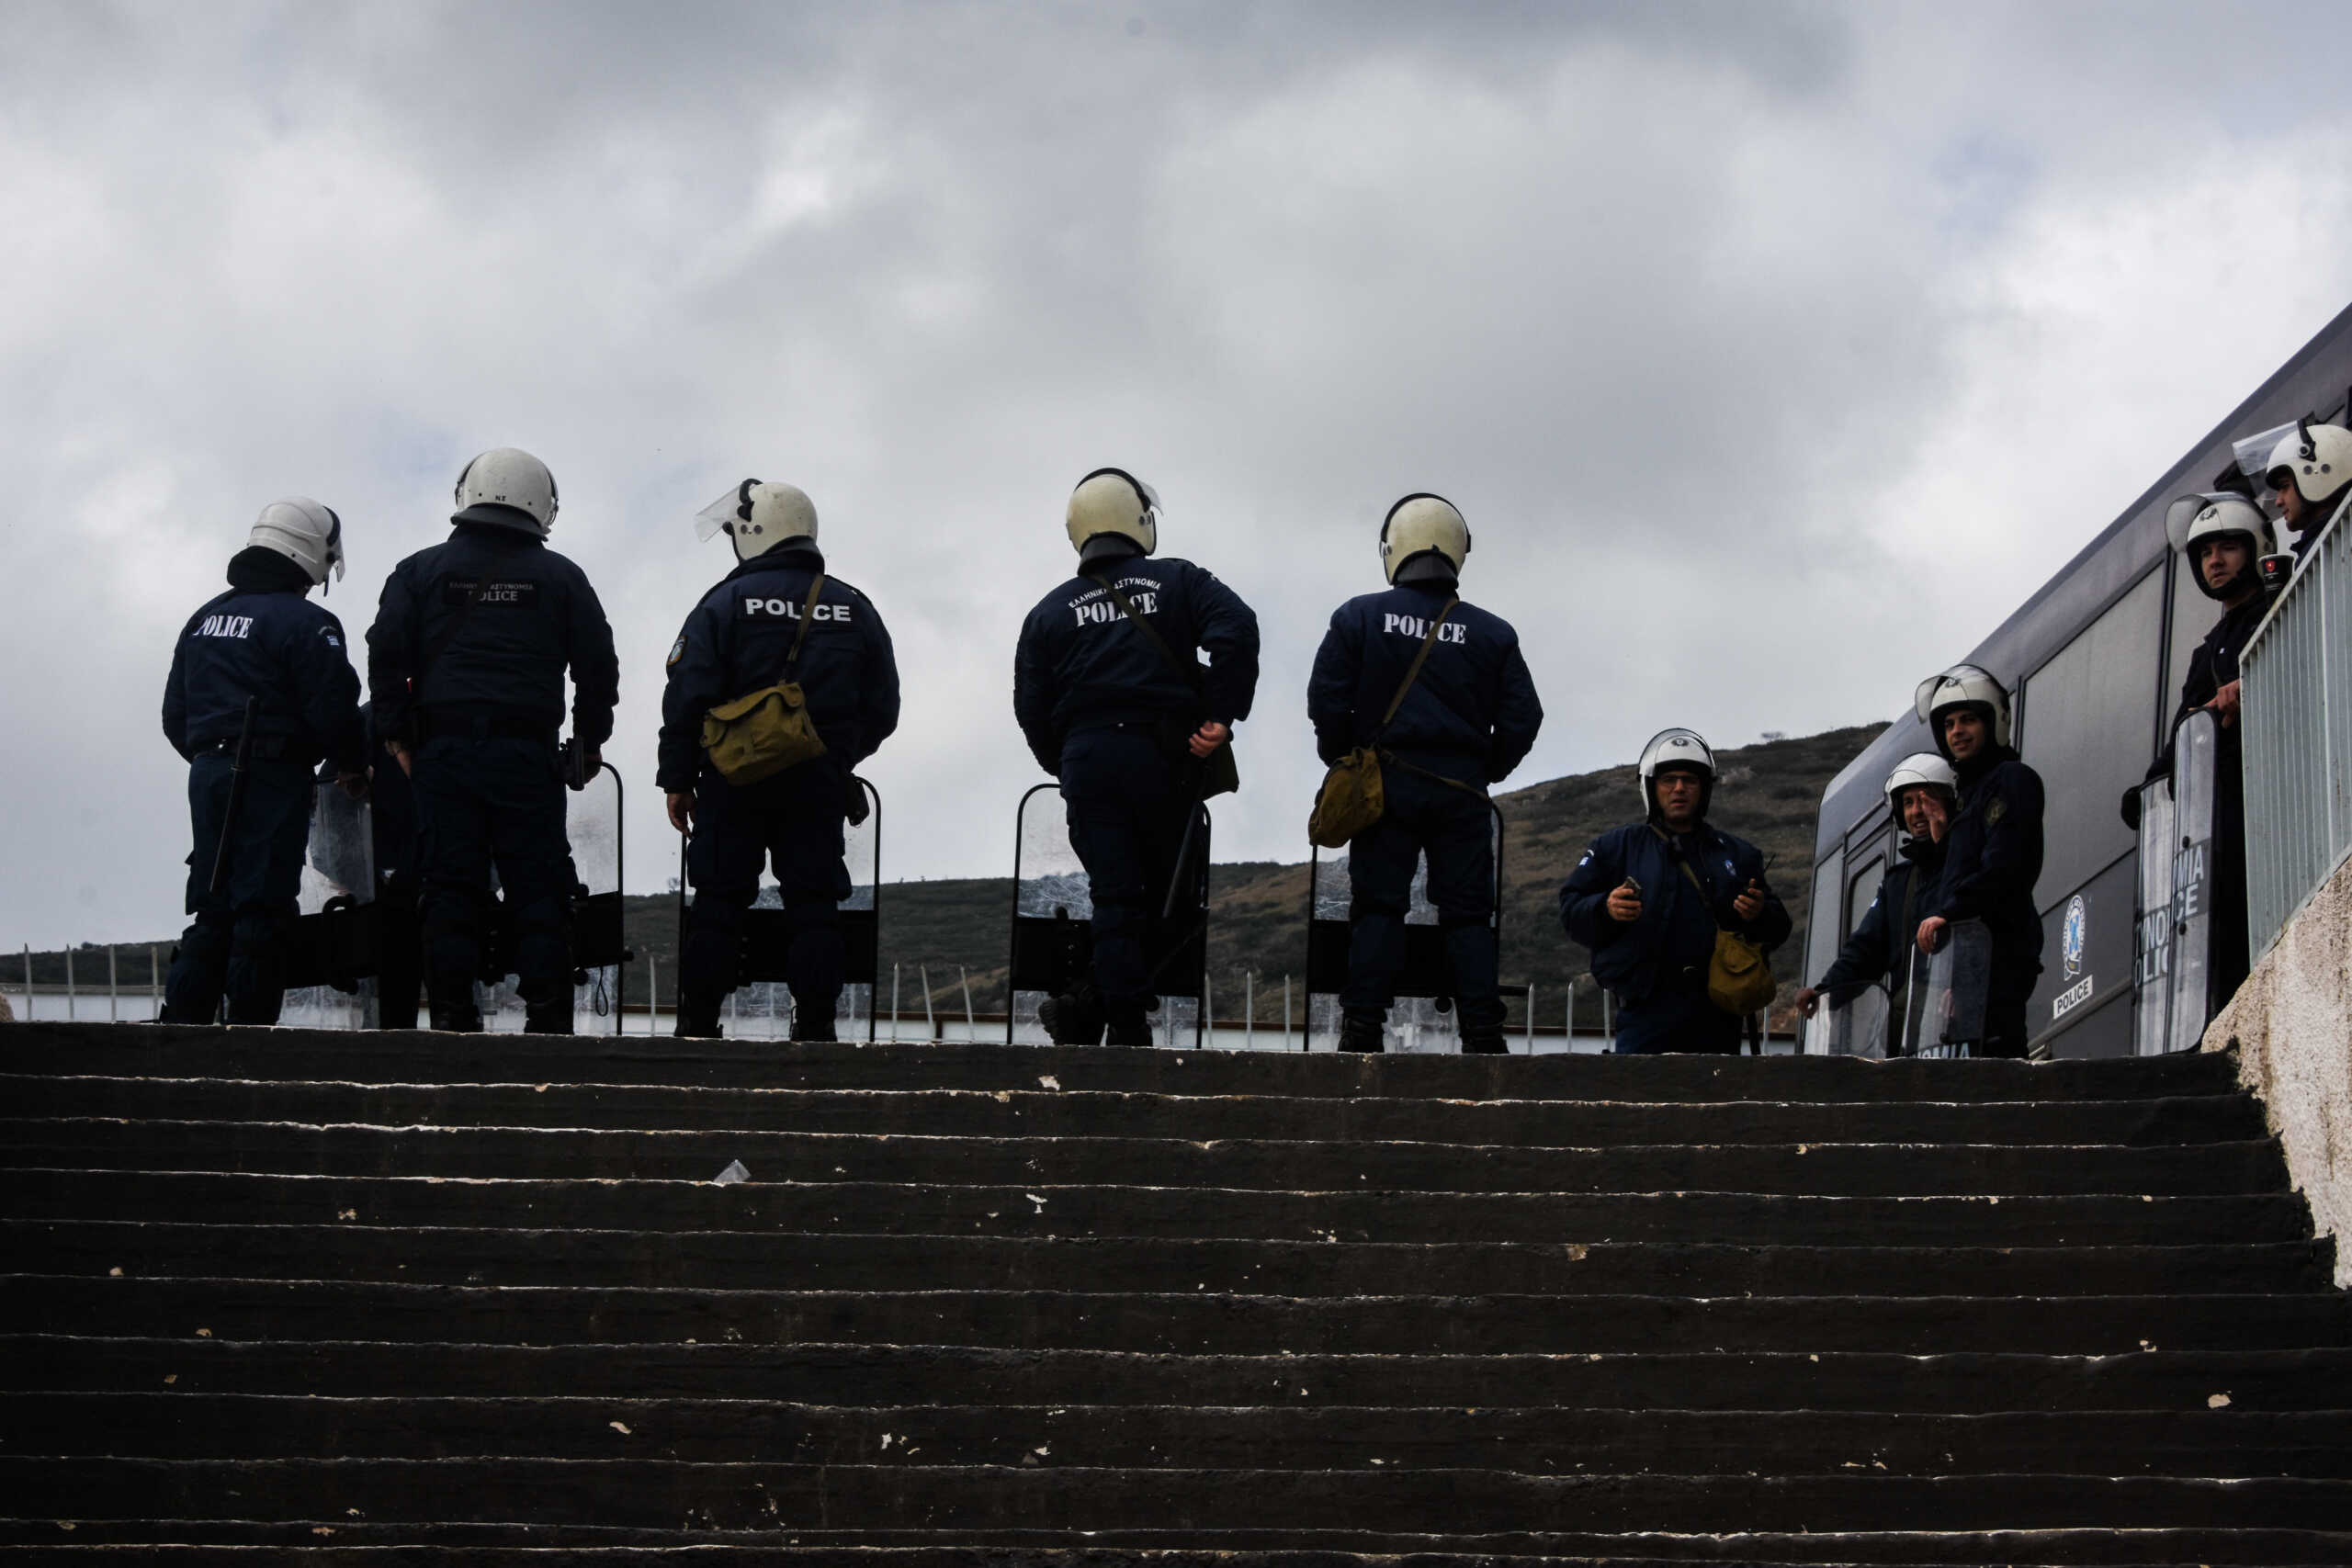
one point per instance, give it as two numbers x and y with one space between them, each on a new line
2172 976
1053 943
593 821
1951 1017
760 1008
1422 1020
1857 1024
332 949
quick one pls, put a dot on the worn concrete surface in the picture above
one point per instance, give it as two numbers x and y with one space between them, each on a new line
2292 1025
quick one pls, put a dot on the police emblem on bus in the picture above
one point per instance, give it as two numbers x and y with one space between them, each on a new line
2071 936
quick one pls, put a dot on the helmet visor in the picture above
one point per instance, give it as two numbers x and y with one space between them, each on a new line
714 518
334 542
2253 452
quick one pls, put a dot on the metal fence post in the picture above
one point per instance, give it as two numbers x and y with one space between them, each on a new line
114 989
930 1025
1302 1034
1249 1010
1530 1019
894 1002
69 982
971 1022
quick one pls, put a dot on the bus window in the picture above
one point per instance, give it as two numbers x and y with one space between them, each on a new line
1863 890
1825 922
2088 731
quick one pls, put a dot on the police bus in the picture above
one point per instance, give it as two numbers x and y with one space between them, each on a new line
2094 661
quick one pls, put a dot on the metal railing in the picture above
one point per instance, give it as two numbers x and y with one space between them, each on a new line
2298 715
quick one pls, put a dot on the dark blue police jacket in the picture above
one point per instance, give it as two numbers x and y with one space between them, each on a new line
1669 948
1473 713
536 616
1081 665
272 643
1993 856
1884 939
736 641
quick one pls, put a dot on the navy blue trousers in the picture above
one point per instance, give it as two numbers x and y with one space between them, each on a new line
236 944
485 803
1676 1020
1124 799
795 822
1455 830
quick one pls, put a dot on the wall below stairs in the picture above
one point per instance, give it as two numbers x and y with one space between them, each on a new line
2292 1025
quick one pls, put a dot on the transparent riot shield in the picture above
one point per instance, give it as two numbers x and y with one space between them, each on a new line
593 821
1053 943
332 956
760 1008
1857 1024
2172 977
1422 1020
1951 1015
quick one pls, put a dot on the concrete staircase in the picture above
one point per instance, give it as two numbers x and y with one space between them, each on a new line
431 1299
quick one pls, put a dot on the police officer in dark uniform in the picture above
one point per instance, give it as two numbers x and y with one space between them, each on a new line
1128 722
1922 793
265 642
1993 856
1465 722
738 640
2222 537
465 666
1648 899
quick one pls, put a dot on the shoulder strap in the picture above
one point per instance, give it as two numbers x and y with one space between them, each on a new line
808 612
1705 902
1414 673
1190 675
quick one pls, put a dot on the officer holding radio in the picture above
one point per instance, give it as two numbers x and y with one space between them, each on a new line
1439 690
466 667
1109 692
777 623
1648 900
261 690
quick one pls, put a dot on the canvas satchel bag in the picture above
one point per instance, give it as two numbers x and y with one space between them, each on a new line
1354 795
1739 978
762 733
1220 774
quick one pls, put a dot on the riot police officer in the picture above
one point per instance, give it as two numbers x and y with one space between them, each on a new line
466 667
2222 537
1439 690
1648 899
261 649
1110 695
2311 469
1922 795
779 615
1992 855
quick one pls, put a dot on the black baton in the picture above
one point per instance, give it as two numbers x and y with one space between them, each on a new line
244 755
1184 845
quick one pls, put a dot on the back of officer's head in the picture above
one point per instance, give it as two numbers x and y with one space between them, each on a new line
1424 539
1111 515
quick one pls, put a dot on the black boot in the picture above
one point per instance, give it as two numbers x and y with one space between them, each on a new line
1073 1017
1361 1031
698 1022
1135 1031
808 1029
555 1018
1484 1042
456 1020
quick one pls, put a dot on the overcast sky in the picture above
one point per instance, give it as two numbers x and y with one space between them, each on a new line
1774 352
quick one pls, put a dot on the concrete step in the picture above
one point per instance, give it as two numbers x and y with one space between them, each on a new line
848 1374
193 1425
945 1502
1045 1209
1036 1111
1195 1323
2248 1166
757 1260
175 1051
359 1542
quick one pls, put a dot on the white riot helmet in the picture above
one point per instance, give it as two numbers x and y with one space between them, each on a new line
2192 519
759 517
1963 685
1113 502
309 535
2315 458
1676 750
509 488
1920 768
1419 524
